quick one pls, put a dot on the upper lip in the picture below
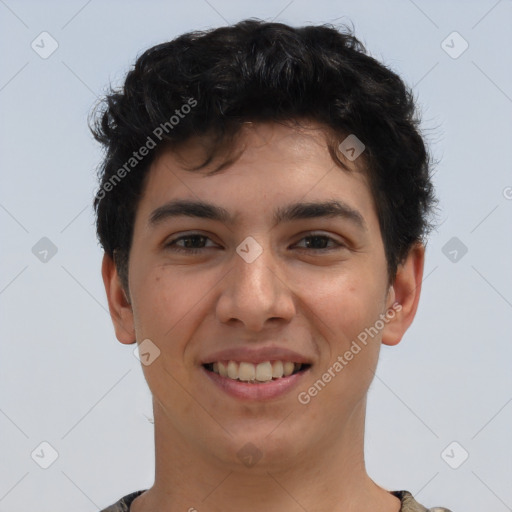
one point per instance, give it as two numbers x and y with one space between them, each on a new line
256 355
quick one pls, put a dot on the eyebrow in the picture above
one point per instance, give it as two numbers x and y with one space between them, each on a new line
288 213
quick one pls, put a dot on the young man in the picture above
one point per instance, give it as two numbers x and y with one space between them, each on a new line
263 206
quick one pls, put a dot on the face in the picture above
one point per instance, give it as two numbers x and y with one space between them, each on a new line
276 259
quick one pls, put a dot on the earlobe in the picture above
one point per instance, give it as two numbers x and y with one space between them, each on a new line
404 295
118 304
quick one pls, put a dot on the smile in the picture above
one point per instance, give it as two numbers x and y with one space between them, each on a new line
255 382
261 372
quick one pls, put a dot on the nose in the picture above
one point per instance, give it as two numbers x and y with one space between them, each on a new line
256 294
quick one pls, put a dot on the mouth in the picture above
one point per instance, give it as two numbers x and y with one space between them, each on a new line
264 372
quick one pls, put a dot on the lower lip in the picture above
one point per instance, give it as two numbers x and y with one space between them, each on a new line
261 391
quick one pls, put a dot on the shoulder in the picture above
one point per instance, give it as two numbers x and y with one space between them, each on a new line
409 504
123 505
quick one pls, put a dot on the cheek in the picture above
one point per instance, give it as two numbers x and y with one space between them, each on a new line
164 314
347 305
156 304
167 305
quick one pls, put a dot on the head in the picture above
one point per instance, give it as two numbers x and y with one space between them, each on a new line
210 83
253 118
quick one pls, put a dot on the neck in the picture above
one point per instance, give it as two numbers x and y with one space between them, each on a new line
330 475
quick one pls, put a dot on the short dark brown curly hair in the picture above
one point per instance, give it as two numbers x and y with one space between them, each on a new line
211 82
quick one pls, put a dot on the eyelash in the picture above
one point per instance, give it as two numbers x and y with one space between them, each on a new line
172 243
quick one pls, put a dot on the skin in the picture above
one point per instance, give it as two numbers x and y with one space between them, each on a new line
293 295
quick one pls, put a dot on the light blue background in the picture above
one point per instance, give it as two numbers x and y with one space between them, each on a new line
67 381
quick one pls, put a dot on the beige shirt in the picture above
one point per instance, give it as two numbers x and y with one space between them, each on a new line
409 504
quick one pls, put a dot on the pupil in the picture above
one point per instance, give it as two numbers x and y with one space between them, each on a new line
317 239
189 242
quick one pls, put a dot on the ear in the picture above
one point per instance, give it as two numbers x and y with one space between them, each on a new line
120 308
405 294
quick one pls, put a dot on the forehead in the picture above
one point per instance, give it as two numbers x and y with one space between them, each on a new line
275 164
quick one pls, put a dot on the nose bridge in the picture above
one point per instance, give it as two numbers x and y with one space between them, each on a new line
257 274
254 292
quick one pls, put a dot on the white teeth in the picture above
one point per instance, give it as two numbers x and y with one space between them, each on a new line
223 371
277 369
232 370
246 371
288 368
262 372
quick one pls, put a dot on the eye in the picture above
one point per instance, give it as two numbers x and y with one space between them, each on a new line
195 243
318 242
192 243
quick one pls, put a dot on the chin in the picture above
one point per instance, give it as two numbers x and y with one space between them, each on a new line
261 448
